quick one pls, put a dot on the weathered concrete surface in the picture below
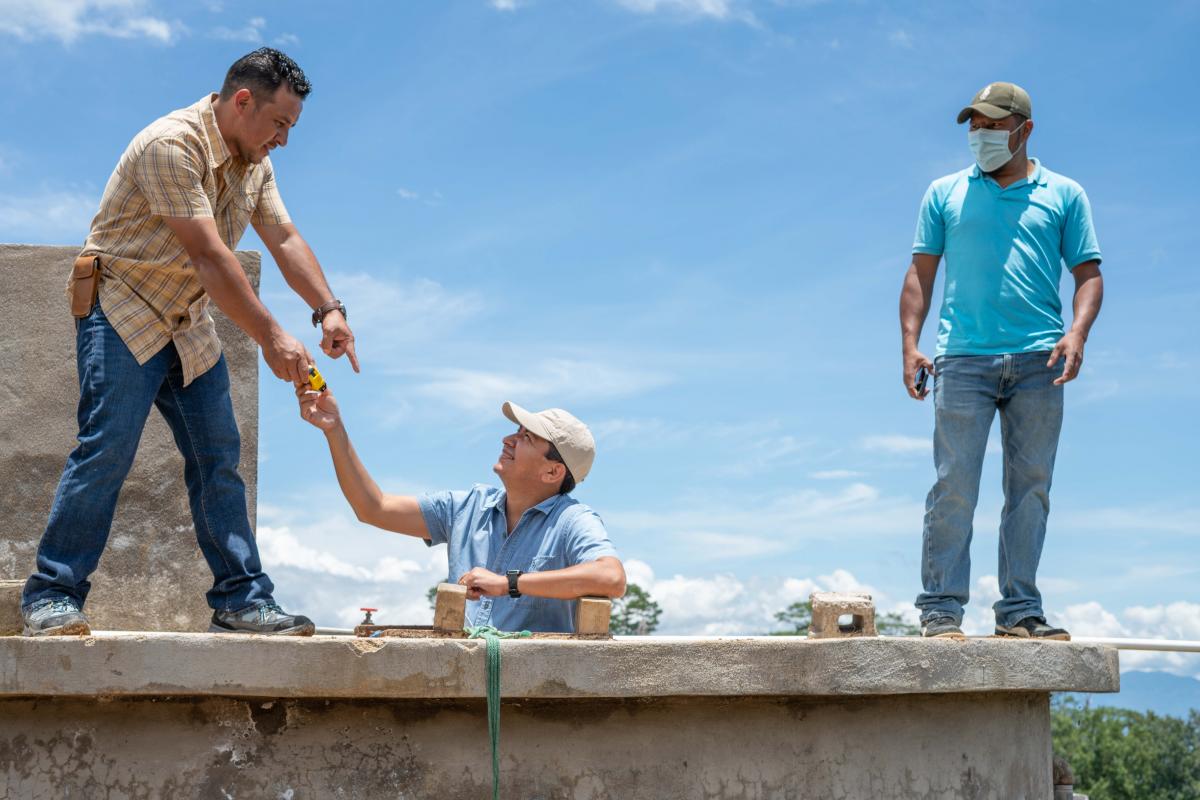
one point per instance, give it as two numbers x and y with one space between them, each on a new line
152 575
913 747
178 664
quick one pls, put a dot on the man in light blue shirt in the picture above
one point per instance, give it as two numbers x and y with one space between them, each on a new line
524 552
1005 227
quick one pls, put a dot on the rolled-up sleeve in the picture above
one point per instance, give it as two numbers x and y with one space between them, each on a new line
269 210
170 174
587 539
439 510
930 238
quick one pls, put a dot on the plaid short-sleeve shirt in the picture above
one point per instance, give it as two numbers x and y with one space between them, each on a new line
178 166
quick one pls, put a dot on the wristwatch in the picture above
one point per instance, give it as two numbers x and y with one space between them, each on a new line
320 311
513 574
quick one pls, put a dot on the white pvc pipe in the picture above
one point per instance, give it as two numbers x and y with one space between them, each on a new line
1170 645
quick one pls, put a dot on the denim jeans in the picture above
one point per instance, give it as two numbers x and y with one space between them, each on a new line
968 390
115 396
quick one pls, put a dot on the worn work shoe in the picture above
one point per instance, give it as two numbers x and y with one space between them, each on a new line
58 616
267 618
1033 628
942 628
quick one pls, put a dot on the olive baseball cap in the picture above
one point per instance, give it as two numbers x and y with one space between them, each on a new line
569 436
998 100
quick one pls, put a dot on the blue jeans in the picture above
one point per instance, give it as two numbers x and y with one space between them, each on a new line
967 392
115 395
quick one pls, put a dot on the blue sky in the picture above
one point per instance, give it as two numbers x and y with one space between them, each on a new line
687 222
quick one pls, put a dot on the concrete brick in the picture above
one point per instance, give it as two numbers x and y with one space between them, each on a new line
10 607
450 610
828 607
592 615
151 575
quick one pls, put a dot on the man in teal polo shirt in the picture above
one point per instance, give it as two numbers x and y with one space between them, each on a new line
1005 227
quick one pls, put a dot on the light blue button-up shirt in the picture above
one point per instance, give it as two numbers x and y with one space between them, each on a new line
558 532
1004 249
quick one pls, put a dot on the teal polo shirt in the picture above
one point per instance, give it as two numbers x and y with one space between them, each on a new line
1004 250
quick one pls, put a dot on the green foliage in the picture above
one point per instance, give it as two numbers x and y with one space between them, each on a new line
795 619
798 616
1118 754
431 596
635 614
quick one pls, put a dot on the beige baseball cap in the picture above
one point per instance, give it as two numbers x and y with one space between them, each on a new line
569 436
998 100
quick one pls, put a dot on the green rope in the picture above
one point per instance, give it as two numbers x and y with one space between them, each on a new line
493 637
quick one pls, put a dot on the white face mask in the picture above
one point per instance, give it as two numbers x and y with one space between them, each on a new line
990 148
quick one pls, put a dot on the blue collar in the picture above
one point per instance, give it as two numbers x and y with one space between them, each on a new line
1038 176
545 507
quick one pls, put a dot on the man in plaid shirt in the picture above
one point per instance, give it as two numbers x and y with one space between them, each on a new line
172 213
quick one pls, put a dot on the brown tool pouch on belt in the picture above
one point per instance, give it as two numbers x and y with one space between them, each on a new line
85 283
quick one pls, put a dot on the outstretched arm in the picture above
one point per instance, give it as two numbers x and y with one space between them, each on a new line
303 273
399 513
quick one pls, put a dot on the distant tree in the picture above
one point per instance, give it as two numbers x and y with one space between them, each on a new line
1118 754
797 617
431 596
635 614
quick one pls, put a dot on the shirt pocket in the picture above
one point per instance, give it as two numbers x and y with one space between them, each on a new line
545 563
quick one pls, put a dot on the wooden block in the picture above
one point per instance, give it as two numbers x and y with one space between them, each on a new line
10 607
592 615
829 607
450 611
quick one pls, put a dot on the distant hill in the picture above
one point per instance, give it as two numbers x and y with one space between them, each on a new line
1160 692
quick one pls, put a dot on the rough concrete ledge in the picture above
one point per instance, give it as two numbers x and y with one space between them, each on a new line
215 665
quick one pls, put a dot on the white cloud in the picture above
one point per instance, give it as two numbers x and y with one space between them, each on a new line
551 381
503 5
834 475
71 20
47 217
279 546
1175 620
285 39
785 520
901 38
432 199
251 32
897 444
723 604
723 10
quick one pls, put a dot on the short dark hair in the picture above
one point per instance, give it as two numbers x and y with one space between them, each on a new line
263 72
568 481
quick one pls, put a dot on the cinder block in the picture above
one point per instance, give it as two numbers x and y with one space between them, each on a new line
592 615
10 607
828 607
450 611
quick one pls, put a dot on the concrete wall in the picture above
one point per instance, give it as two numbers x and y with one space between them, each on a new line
916 747
211 715
152 575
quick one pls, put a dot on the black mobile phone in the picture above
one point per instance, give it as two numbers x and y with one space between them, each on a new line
922 379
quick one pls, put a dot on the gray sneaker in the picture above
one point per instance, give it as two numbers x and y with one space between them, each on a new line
942 628
267 618
1033 628
56 616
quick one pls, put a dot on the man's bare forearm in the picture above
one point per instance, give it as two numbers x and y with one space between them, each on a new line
223 279
300 268
915 296
1089 295
360 489
604 577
